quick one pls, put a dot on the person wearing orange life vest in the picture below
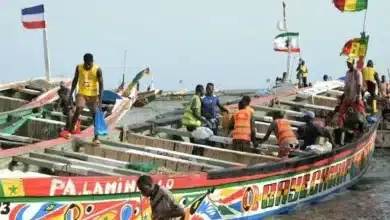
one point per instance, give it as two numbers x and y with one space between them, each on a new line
89 78
243 126
284 134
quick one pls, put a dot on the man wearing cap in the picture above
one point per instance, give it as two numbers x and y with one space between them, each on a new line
284 134
311 131
352 91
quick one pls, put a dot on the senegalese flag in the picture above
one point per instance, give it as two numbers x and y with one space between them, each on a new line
355 47
137 78
350 5
12 187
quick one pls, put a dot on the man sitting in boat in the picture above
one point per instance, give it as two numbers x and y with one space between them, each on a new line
192 117
89 78
162 202
352 92
371 80
210 103
284 134
243 126
354 125
311 131
247 102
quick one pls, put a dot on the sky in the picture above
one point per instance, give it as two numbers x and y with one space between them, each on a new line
227 42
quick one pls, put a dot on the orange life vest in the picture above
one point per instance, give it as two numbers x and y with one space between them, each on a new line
242 125
285 132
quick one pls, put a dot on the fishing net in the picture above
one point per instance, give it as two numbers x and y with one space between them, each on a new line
144 167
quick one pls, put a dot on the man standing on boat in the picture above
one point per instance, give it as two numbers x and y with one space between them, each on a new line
385 87
192 117
64 104
243 126
210 103
371 81
89 78
284 134
247 101
303 73
352 92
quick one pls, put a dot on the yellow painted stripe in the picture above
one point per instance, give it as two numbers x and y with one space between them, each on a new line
350 5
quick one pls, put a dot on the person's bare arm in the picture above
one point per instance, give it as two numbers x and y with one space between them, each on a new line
74 84
269 131
231 124
253 131
99 74
222 108
378 82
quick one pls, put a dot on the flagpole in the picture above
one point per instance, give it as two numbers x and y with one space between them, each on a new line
46 55
289 42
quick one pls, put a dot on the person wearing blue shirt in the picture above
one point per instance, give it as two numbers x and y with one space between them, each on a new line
210 105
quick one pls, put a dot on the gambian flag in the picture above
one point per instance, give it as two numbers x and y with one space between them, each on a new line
350 5
355 47
284 40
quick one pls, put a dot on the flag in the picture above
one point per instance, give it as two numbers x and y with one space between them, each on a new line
12 187
350 5
137 78
33 17
355 47
283 41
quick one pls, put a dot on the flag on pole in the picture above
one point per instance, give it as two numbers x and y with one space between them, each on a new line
137 78
350 5
284 40
33 17
356 47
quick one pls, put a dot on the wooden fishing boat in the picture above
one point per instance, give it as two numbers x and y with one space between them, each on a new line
29 93
143 98
78 180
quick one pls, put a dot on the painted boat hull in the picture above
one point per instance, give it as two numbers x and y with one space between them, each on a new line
239 193
144 98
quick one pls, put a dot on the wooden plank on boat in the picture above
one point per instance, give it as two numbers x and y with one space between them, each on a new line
286 111
49 121
19 138
208 151
219 139
173 154
303 105
30 91
334 92
135 156
270 119
61 166
82 117
22 101
324 101
11 143
90 158
91 165
157 122
227 140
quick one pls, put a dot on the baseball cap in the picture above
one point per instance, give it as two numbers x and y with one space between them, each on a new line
309 114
